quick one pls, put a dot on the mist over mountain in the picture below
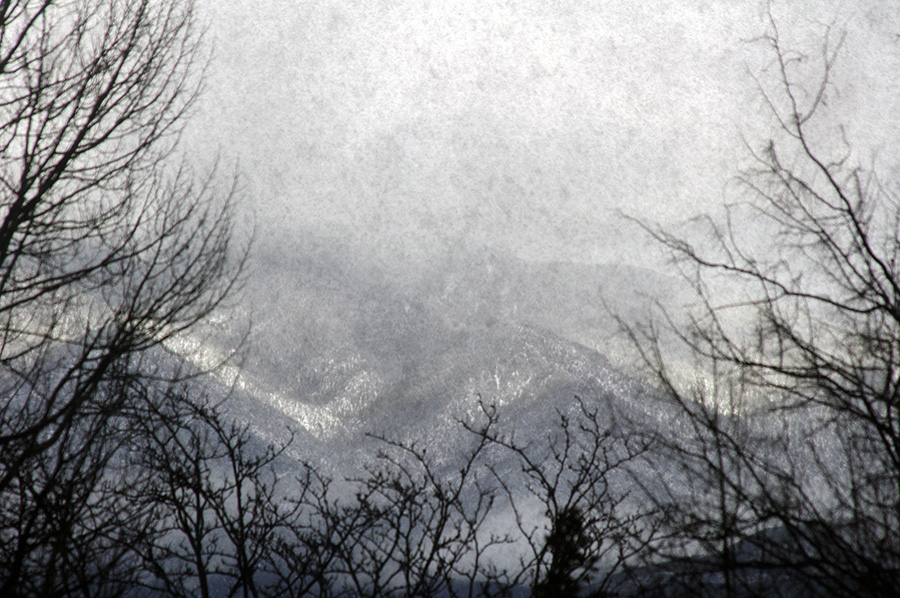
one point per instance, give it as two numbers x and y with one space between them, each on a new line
429 180
344 343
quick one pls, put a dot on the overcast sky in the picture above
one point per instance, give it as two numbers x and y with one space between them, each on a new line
520 124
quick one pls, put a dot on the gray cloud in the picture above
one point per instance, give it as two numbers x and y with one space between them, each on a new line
522 125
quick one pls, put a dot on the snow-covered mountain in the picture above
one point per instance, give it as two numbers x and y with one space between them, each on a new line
342 347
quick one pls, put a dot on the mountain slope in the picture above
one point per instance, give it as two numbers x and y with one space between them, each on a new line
364 348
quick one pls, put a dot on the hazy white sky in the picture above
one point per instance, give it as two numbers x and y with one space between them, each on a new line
523 124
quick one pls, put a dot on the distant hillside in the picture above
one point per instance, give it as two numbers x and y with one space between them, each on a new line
341 347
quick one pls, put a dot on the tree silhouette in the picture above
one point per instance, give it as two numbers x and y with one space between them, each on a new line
595 533
571 556
791 439
109 248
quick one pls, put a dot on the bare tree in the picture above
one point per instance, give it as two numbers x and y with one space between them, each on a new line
107 249
305 556
218 506
587 534
412 526
792 424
